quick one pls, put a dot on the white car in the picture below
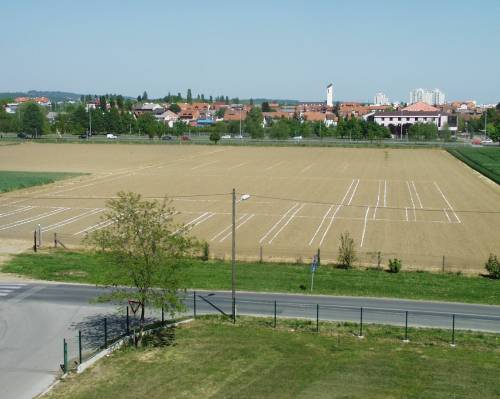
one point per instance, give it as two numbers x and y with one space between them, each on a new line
297 138
226 136
487 141
238 137
111 136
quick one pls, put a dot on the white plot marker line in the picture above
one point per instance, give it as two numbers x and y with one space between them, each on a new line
385 193
335 213
285 224
202 220
447 216
378 200
412 202
23 209
237 227
96 226
278 222
448 203
203 165
306 168
32 219
71 219
191 222
353 193
364 226
406 212
237 166
320 225
273 166
418 196
227 228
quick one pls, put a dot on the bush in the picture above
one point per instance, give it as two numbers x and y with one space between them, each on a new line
493 267
206 251
215 137
395 265
347 254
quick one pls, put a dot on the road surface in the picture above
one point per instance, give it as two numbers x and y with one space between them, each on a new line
35 317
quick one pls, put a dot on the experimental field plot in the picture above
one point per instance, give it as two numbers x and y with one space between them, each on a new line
417 205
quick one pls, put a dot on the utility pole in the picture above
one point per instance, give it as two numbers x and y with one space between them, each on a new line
233 258
90 121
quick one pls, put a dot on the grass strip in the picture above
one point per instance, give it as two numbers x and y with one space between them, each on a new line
484 160
13 180
94 268
211 357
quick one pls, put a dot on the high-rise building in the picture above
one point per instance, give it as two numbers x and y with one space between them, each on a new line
329 95
431 97
380 99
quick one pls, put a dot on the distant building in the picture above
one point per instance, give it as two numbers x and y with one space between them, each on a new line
329 95
431 97
380 99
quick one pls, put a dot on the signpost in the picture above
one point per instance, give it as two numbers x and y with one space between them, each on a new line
314 267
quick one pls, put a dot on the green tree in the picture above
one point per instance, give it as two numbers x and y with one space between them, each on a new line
445 133
174 107
179 128
253 123
113 121
103 103
145 247
147 124
189 97
280 130
215 137
423 131
145 96
33 119
120 102
265 107
347 253
220 113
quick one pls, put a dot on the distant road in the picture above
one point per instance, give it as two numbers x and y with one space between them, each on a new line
35 317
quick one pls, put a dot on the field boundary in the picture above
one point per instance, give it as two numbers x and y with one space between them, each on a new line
473 164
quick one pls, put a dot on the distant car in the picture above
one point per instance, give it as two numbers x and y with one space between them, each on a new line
166 138
22 136
185 138
297 138
111 136
487 141
83 136
239 136
226 136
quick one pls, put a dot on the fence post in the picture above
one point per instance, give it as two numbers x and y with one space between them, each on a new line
79 347
39 235
55 240
453 330
234 310
260 255
319 257
105 332
128 322
65 356
34 241
275 305
162 315
194 304
443 264
317 315
406 328
360 322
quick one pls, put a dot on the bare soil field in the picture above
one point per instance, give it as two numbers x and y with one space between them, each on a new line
415 204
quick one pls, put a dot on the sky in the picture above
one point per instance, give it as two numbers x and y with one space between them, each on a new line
274 49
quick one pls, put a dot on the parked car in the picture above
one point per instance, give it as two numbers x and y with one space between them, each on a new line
111 136
166 138
185 138
226 136
297 138
83 136
239 136
486 141
22 136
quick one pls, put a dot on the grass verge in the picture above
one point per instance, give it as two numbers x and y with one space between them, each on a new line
214 358
485 160
11 180
93 268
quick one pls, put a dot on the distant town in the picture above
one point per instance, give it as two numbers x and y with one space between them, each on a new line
426 116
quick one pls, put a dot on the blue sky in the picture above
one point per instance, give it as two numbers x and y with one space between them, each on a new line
275 49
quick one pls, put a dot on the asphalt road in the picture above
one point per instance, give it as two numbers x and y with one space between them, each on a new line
35 317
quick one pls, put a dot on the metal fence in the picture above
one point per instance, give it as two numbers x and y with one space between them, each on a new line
98 333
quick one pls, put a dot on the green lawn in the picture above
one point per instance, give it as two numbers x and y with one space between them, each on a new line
89 267
213 358
484 160
10 180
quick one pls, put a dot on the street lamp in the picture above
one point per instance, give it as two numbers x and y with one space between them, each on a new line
244 197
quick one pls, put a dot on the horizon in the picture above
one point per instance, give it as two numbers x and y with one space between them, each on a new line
294 50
